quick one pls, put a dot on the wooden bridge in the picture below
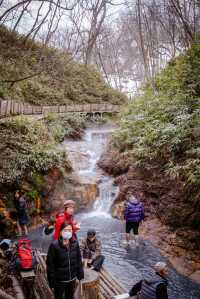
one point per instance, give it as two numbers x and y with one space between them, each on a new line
12 108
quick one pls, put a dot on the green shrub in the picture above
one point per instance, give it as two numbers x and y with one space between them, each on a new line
69 125
160 129
58 78
27 148
37 180
32 212
31 195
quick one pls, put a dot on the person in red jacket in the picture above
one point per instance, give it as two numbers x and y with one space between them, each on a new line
69 206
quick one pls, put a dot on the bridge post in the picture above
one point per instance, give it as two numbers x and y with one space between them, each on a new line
89 287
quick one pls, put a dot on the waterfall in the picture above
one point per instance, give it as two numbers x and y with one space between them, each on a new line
84 155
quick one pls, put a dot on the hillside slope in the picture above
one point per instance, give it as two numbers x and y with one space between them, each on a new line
52 76
156 151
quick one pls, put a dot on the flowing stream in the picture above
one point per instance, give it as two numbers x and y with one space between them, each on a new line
127 264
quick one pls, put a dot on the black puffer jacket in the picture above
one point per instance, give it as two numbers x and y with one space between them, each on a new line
64 263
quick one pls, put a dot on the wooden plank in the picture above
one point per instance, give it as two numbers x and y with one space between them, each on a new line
18 108
112 280
8 108
86 108
28 110
15 108
45 109
62 109
92 108
106 289
102 293
42 287
114 287
101 108
109 285
3 108
41 262
77 108
70 108
25 274
55 109
21 108
37 110
11 107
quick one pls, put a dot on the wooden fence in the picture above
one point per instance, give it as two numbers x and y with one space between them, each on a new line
10 108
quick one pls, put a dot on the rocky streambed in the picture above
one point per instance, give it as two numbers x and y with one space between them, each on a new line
170 217
127 264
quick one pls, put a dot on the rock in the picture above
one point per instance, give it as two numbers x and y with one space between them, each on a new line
164 198
172 221
195 276
99 181
117 210
59 188
181 265
113 163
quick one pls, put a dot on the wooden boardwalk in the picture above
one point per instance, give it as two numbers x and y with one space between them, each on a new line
12 108
109 287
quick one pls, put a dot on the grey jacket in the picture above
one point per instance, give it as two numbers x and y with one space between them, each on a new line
93 247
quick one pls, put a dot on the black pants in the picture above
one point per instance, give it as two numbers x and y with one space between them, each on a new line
132 226
64 290
98 262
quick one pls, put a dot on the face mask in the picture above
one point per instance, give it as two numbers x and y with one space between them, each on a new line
66 235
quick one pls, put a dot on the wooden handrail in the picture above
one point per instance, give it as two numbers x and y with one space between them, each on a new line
12 108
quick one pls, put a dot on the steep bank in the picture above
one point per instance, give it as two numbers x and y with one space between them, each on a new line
36 160
155 152
33 73
179 244
30 157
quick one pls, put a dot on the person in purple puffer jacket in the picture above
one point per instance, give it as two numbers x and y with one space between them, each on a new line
133 214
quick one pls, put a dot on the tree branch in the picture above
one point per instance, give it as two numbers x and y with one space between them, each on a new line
20 79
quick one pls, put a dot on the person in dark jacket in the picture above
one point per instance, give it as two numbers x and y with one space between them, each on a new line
48 233
154 286
22 215
91 251
133 214
64 264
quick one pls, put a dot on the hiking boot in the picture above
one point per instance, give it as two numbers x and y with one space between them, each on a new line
126 243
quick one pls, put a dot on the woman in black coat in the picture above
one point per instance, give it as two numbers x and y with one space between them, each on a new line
64 264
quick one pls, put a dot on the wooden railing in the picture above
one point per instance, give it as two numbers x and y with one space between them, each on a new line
9 108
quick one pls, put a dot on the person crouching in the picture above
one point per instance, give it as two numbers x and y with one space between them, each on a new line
64 263
154 285
91 251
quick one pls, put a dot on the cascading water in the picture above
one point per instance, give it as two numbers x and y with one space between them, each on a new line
126 264
84 155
